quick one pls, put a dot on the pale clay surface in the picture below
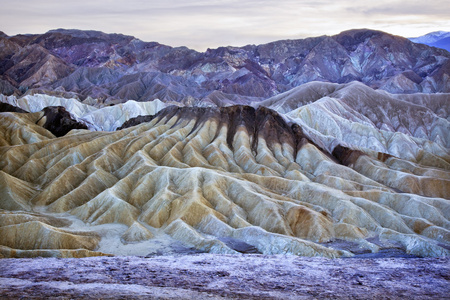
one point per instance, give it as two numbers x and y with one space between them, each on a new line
175 180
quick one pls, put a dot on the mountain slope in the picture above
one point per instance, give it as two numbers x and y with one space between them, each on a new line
202 176
114 68
356 103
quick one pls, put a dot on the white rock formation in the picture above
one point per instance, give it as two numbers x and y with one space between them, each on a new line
106 118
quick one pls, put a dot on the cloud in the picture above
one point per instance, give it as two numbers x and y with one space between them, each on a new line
201 24
412 8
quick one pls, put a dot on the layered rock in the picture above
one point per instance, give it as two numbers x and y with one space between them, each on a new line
348 111
206 176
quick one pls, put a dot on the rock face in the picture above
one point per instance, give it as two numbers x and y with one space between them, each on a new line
58 121
5 107
114 67
226 179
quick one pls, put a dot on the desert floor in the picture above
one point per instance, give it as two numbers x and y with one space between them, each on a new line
209 276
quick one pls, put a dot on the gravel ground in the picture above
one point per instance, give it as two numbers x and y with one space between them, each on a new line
208 276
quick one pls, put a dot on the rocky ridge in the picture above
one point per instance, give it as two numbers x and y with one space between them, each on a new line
88 113
228 178
113 68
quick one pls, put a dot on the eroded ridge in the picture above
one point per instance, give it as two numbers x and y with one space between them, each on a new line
211 178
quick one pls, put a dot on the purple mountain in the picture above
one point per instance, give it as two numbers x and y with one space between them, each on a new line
115 67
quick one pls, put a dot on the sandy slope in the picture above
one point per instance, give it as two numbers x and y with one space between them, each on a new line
208 276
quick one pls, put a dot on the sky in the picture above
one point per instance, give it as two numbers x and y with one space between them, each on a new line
202 24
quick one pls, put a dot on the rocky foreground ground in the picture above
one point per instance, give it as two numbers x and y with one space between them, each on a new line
207 276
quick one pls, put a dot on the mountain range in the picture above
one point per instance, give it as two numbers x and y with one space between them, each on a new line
438 39
329 146
113 68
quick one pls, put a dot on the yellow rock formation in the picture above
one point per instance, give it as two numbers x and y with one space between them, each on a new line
196 178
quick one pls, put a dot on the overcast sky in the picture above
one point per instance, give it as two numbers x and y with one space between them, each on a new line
202 24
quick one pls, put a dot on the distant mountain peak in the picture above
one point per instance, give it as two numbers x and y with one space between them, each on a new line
431 37
439 39
86 33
